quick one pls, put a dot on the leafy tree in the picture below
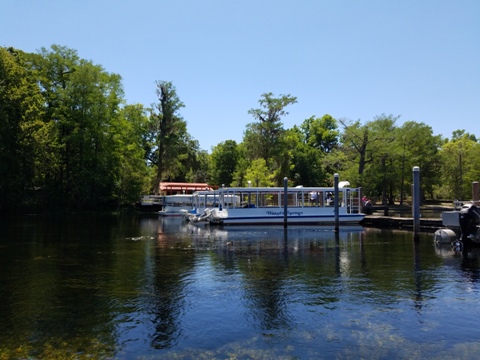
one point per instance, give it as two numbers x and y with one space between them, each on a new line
83 103
383 153
258 174
371 144
417 146
188 160
354 141
460 165
459 134
321 133
67 135
338 161
239 175
170 132
53 70
263 139
307 167
21 126
94 97
134 174
224 159
199 164
174 153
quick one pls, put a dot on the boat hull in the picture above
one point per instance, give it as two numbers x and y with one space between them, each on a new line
294 217
170 214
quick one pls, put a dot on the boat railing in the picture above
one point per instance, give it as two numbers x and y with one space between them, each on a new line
354 206
151 200
348 198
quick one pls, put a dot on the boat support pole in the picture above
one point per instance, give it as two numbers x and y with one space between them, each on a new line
416 201
285 189
335 199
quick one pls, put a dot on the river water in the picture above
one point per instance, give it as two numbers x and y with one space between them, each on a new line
143 287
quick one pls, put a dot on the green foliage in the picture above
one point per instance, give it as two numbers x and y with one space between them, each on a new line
460 166
133 172
239 175
82 150
20 129
321 133
200 165
369 147
258 174
417 146
306 162
67 139
224 159
174 149
263 138
83 101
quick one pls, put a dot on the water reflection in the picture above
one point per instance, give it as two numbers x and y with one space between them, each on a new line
466 261
131 287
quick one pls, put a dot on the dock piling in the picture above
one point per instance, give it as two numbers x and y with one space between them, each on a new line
416 201
285 199
335 200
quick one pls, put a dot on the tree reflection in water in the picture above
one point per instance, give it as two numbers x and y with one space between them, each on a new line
131 287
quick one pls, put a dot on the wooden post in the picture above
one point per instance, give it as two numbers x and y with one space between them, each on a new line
475 193
416 201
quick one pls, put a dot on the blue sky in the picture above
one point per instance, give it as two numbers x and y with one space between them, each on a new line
355 59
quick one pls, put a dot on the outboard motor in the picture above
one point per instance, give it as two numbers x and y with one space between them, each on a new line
469 220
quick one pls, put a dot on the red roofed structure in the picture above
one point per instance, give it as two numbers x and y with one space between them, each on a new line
172 188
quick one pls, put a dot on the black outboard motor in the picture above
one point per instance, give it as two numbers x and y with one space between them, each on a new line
469 219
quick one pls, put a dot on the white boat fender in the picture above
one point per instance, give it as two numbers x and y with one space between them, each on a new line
445 236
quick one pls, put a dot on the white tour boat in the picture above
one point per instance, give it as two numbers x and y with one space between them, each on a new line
205 201
150 203
175 205
265 205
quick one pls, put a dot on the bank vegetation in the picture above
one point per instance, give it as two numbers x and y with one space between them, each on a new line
70 141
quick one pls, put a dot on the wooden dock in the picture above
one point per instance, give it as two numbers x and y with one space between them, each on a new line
369 210
391 222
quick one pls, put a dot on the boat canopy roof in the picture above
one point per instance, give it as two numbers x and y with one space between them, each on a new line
297 189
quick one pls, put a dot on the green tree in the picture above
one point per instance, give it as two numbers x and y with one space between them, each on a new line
307 167
383 153
133 173
258 174
417 146
263 138
171 134
224 159
197 163
459 134
53 70
239 175
354 141
370 144
321 133
459 158
83 103
186 165
21 128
